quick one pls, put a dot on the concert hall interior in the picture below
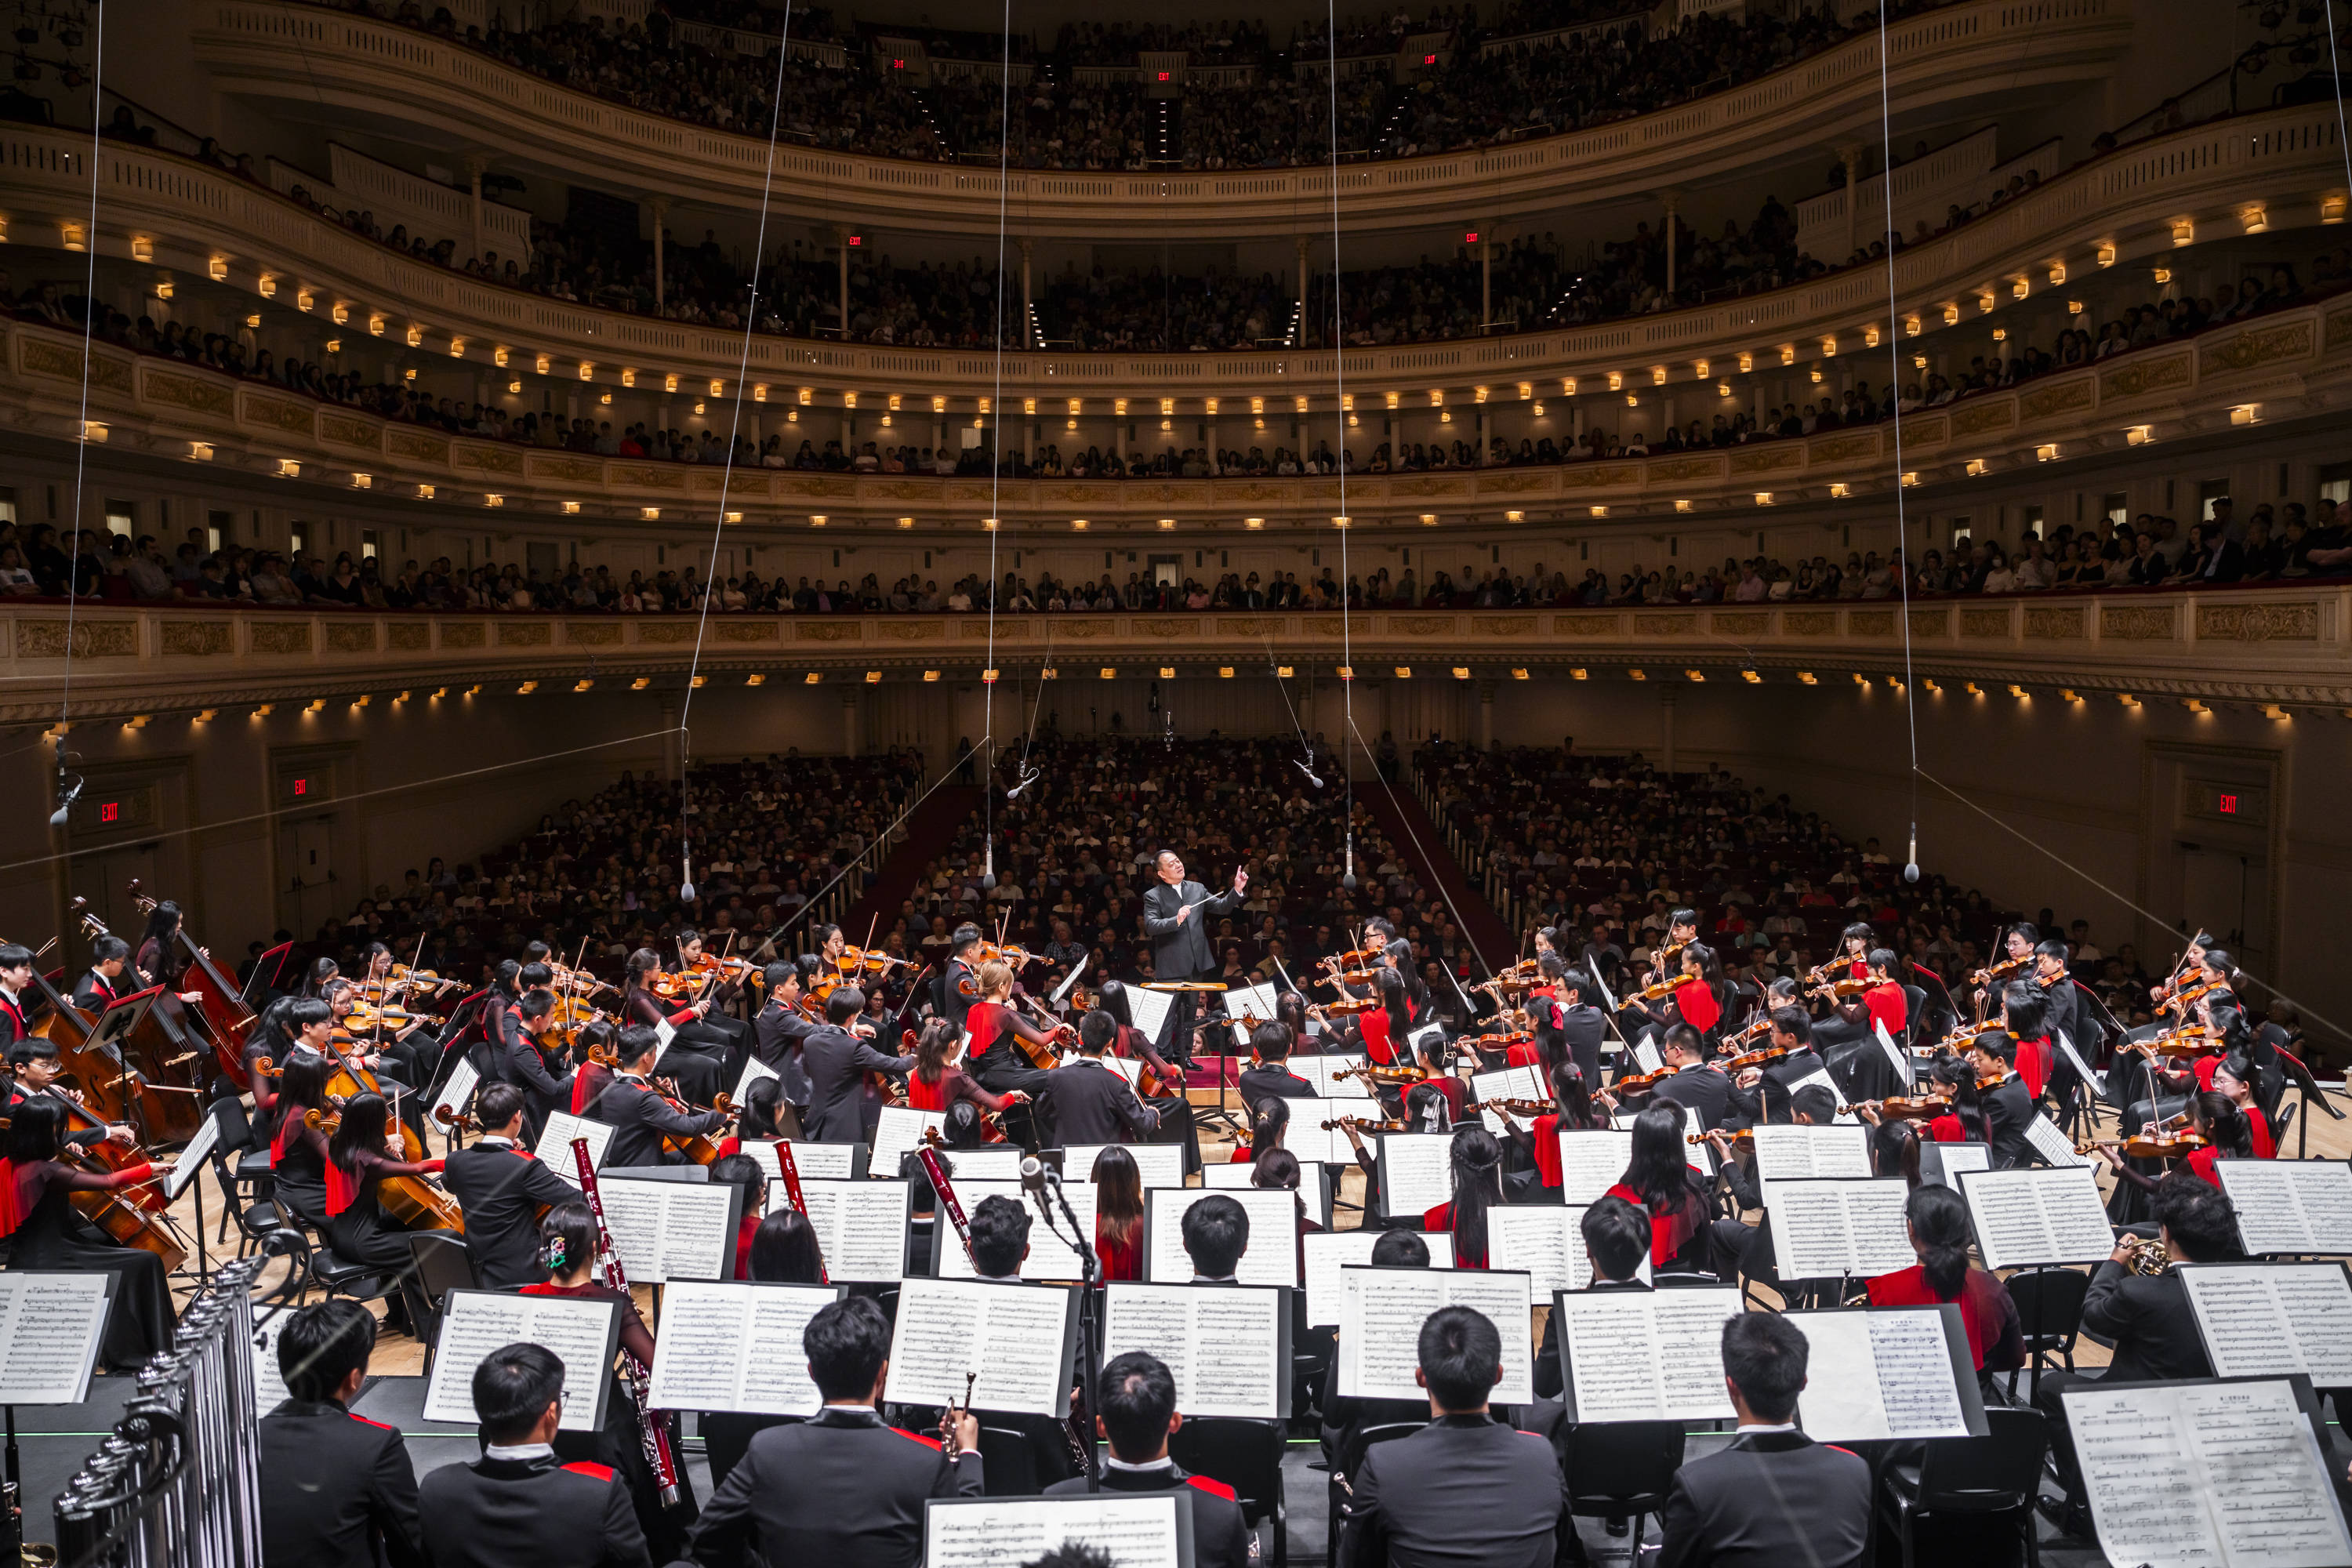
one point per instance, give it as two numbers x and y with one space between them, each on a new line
700 694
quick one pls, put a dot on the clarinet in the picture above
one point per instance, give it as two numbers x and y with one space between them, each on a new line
791 1169
653 1432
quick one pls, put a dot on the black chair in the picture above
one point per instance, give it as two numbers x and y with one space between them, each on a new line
1248 1456
1009 1463
245 1189
2049 1315
1346 1463
1622 1469
2279 1126
339 1275
442 1265
1994 1479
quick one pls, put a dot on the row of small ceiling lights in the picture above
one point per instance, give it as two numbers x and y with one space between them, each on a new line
2254 216
2272 710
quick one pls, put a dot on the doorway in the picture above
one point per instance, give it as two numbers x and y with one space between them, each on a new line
307 893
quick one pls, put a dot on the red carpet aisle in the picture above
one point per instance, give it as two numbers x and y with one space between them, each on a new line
929 833
1424 846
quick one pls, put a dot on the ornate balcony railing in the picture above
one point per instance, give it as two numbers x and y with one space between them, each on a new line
2282 646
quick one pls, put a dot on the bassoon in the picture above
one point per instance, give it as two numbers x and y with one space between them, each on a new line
653 1432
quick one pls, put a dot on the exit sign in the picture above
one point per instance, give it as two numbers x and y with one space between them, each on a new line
301 786
2227 804
110 811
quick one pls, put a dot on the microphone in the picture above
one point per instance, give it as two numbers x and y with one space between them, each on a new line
67 793
686 887
1032 1174
1911 868
1302 767
988 870
1029 777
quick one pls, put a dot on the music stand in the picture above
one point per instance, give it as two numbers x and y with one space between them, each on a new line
2301 1078
1181 1042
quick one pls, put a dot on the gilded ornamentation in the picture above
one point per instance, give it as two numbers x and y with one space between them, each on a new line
1424 626
1488 625
277 413
1248 625
1427 487
194 394
1164 626
1668 469
2259 623
2137 623
646 476
41 357
1869 623
410 636
1585 625
1600 475
665 631
2054 622
910 631
1839 449
579 470
1984 621
823 631
525 634
1664 625
92 639
1511 483
462 634
2059 397
350 636
1741 622
1974 419
484 459
1010 631
1930 622
400 442
279 637
1796 623
2258 346
345 431
2136 379
766 631
1766 459
592 633
198 639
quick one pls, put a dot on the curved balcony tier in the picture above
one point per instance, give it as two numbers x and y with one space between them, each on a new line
2279 647
336 62
2264 173
2287 366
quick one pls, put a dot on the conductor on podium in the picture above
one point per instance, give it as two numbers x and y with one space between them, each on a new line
1176 916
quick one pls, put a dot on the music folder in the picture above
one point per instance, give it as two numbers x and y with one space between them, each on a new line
51 1326
1018 1342
1146 1530
1227 1346
1878 1373
732 1345
585 1335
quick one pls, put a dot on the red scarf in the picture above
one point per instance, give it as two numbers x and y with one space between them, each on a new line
12 1214
342 1191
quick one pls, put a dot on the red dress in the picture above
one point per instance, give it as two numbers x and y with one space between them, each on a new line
1669 1233
1698 1005
1120 1260
1547 1150
1946 1129
2035 1060
1374 1027
2201 1162
1442 1218
1984 1309
2265 1146
1888 1006
1523 1054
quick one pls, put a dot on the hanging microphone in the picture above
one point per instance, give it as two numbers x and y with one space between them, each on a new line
68 793
1032 1174
1302 767
1349 881
988 870
1028 777
1911 868
685 888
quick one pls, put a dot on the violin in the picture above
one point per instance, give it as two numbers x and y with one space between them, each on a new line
1377 1076
1526 1107
1836 988
1019 958
1993 971
571 1015
1627 1083
1755 1031
1743 1140
864 960
1343 977
2180 1000
1897 1108
1347 1006
1658 990
1355 1124
1990 1081
1754 1058
2185 1041
2151 1143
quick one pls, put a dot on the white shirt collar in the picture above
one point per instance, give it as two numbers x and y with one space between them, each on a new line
1164 1462
1760 1429
999 1279
852 1409
493 1141
1215 1279
520 1453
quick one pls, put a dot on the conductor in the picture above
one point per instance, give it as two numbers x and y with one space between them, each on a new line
1175 916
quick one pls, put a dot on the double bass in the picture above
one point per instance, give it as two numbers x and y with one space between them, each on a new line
221 1004
165 1055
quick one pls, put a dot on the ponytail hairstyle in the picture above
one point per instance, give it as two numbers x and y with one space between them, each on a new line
1276 1169
1570 1093
567 1236
1955 1074
1267 1124
2217 1116
1427 1107
1940 1222
1477 1169
763 1106
322 976
1894 1150
932 1052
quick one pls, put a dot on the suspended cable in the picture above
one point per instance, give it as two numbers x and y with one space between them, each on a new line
1895 389
1339 415
2335 74
996 471
81 424
727 479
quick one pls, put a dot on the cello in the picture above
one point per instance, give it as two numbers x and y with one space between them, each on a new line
413 1201
226 1019
101 1080
133 1216
160 1052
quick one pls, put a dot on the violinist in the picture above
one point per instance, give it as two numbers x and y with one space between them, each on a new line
593 1049
502 1189
958 982
938 1078
1269 1073
1888 1006
642 1117
1682 930
2006 1102
360 1054
1384 1028
1761 1093
1938 1222
717 1029
358 1226
1856 945
696 1057
995 1024
1092 1104
1736 1243
2214 1117
838 1060
298 1153
1698 997
521 1063
1118 1213
1572 1111
2017 953
568 1244
1577 1027
778 1028
35 1068
1659 1180
1965 1122
1693 1083
2234 1079
45 1231
319 979
1475 1163
2024 1014
103 985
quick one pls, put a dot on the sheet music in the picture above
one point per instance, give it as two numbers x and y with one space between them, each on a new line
1826 1228
1223 1344
1314 1185
2206 1475
1638 1355
2028 1218
1879 1373
1317 1069
664 1033
1792 1151
1136 1532
1819 1079
1511 1083
1316 1144
996 1163
672 1230
1646 1052
269 1390
1382 1311
1416 1170
2263 1320
1591 1162
457 1090
191 1158
754 1070
2290 1205
2098 1085
554 1147
1547 1241
1254 1000
50 1328
1148 1011
1329 1251
898 1135
1941 1163
816 1162
477 1323
1273 1255
1895 1052
725 1345
1160 1164
1128 1067
860 1225
1050 1256
1016 1337
2048 1141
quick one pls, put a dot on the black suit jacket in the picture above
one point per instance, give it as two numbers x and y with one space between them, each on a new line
776 1037
837 1062
2006 1110
518 1063
640 1119
1258 1082
1220 1537
1770 1499
1465 1489
1581 1028
496 1513
841 1490
502 1189
94 992
1701 1089
340 1492
1092 1104
1180 949
2150 1321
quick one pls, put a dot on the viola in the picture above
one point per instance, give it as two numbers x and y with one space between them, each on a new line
1658 990
1372 1073
1629 1082
1743 1139
1018 958
2187 1040
864 960
1348 1006
1527 1107
1354 1124
1897 1108
1993 971
2151 1143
